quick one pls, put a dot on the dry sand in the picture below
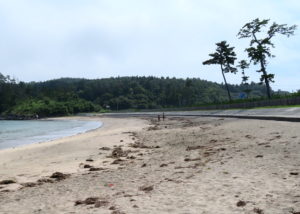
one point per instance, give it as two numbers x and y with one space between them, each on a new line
183 165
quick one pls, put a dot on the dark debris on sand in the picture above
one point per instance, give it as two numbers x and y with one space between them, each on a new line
117 212
93 169
139 145
58 176
45 180
241 203
258 211
119 152
146 188
92 201
29 184
105 148
189 148
6 182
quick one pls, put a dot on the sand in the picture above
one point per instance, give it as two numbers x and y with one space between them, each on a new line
180 165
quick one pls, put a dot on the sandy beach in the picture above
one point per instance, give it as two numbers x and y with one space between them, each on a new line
180 165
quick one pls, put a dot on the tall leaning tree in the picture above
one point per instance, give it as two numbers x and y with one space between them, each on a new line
261 44
225 57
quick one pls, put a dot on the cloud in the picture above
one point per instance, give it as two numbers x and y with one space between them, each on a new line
42 40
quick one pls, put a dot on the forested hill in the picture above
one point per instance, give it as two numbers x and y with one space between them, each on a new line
69 95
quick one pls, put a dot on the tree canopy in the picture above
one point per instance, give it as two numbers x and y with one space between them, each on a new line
69 96
261 44
225 57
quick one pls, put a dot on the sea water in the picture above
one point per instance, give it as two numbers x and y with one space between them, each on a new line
17 133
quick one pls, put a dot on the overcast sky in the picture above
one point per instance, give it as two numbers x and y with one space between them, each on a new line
47 39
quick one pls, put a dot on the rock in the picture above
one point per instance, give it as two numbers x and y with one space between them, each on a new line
294 173
163 165
89 160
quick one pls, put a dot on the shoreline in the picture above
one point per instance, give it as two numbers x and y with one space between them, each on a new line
55 134
33 161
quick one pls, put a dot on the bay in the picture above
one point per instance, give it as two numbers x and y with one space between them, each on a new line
17 133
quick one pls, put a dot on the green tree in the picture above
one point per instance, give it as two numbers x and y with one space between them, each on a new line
243 64
225 57
260 48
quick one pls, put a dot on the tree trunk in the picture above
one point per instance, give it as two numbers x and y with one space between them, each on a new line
263 69
229 96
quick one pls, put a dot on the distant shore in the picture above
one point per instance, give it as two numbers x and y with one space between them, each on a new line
19 117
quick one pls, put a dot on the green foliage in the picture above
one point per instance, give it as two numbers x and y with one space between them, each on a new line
225 57
243 64
47 107
70 96
260 48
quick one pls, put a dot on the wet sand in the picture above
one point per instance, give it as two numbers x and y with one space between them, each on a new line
183 165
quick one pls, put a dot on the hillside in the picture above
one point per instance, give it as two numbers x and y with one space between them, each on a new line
72 95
